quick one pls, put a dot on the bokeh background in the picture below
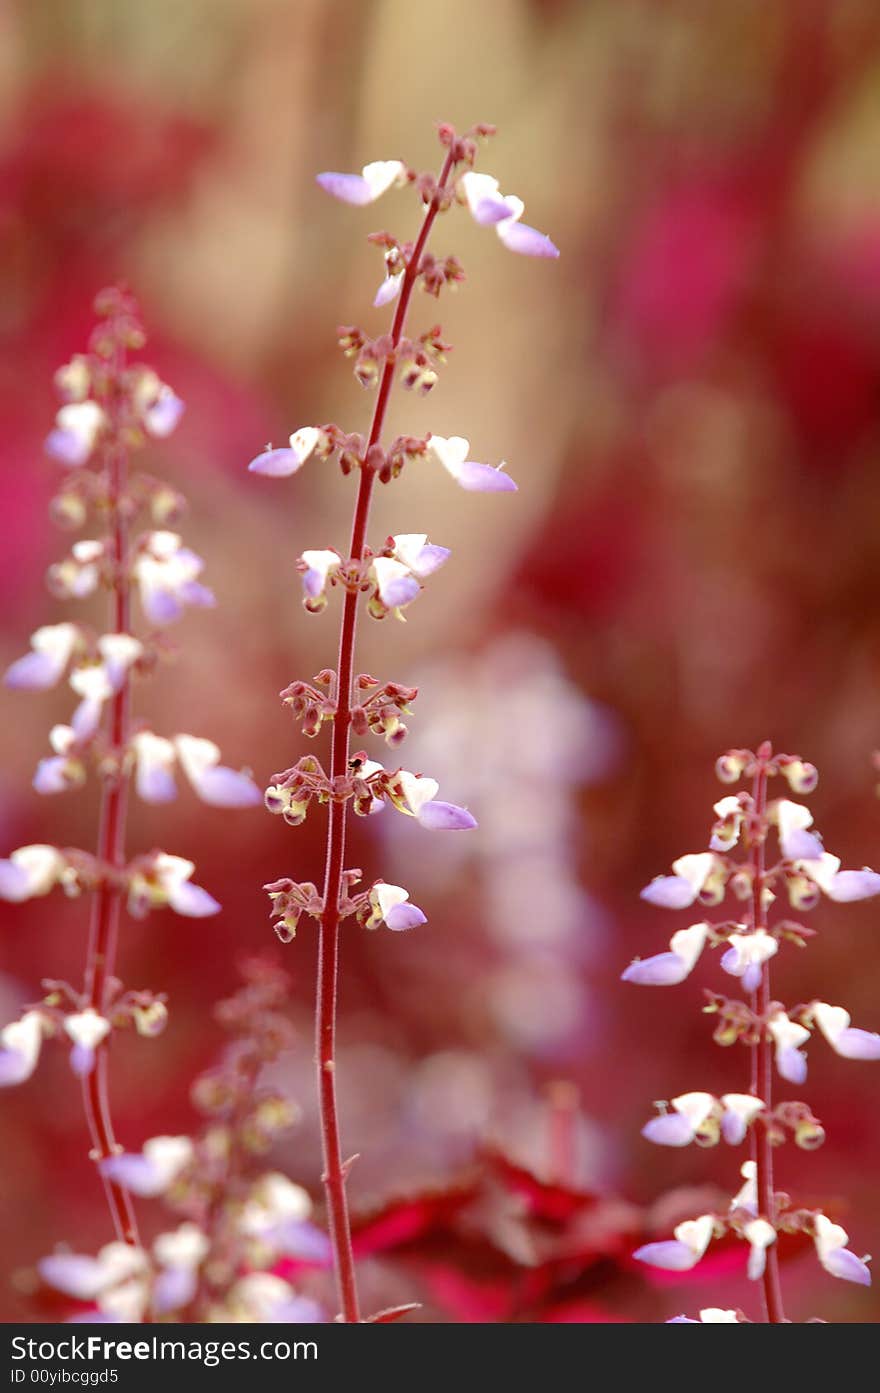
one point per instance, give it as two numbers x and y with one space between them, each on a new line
689 401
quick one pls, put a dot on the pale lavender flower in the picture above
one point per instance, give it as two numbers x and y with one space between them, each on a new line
760 1235
831 1240
490 208
845 1040
747 954
668 969
740 1111
20 1044
31 871
77 426
167 574
390 905
697 876
788 1036
88 1278
681 1126
710 1315
792 820
165 880
281 463
682 1252
52 649
153 1170
452 452
374 180
86 1029
420 802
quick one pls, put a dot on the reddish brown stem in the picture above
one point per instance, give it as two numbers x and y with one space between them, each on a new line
762 1065
106 905
328 935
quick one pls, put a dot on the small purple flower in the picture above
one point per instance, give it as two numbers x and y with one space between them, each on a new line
835 1257
668 969
788 1036
490 208
152 1171
390 905
77 426
20 1043
681 1253
52 648
469 474
374 180
844 1039
280 464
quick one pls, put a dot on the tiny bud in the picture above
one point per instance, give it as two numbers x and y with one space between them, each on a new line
809 1135
150 1020
802 778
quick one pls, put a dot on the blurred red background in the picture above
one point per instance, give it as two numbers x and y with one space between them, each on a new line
688 400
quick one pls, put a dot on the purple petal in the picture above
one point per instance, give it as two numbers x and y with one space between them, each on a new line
350 188
406 916
857 1044
227 788
50 775
134 1172
313 583
33 673
14 883
156 785
161 606
669 1130
446 817
492 209
174 1287
751 978
82 1060
844 1264
519 237
73 1273
681 1320
193 901
733 1128
801 845
388 291
67 447
431 558
399 592
671 1255
483 478
86 718
663 970
670 892
276 464
854 885
792 1064
164 414
194 593
297 1238
15 1067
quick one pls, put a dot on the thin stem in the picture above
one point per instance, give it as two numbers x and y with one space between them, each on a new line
335 1170
106 905
762 1067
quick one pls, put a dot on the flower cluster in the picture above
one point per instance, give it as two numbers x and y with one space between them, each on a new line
390 578
112 407
799 874
240 1230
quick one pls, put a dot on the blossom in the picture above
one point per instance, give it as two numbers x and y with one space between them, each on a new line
78 575
398 577
77 426
318 568
417 797
490 208
165 880
740 1111
31 871
179 1253
389 289
792 820
167 575
698 876
390 905
682 1252
20 1043
668 969
842 886
475 477
747 954
683 1124
97 682
277 1213
64 770
760 1235
788 1036
157 757
152 1170
834 1023
831 1240
374 180
279 464
52 649
264 1298
730 814
117 1267
747 1196
86 1029
159 407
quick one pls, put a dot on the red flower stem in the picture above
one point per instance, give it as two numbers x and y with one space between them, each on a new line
762 1064
334 1176
106 905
